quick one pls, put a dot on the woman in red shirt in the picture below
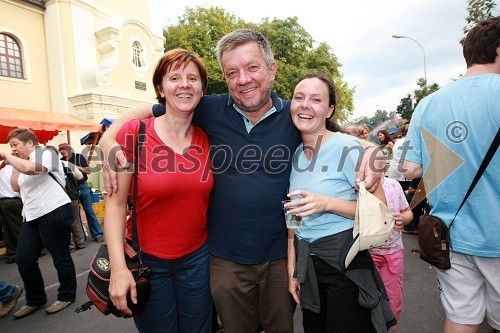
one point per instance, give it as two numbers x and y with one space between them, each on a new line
174 183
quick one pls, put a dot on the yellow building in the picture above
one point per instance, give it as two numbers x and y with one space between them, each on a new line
90 58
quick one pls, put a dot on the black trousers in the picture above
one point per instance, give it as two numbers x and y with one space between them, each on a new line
11 220
340 310
52 231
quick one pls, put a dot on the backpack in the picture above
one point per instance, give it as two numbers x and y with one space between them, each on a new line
72 189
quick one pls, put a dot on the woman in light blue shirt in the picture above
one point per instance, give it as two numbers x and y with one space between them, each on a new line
322 184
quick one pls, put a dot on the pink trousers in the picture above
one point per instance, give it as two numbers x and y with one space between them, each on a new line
390 267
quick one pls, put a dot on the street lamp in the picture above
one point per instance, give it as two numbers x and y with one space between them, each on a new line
425 70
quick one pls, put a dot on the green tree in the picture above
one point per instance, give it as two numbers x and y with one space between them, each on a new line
363 120
198 30
379 117
424 90
290 43
406 106
294 50
478 10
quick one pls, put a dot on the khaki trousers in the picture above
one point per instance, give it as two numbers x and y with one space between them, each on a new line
246 295
77 234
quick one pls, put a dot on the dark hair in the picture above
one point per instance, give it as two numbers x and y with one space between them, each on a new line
331 124
180 57
482 41
387 137
23 135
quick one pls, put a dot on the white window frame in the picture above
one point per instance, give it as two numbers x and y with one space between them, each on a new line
25 56
142 70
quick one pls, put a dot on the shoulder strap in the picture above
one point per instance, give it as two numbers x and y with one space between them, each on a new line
487 158
53 177
138 148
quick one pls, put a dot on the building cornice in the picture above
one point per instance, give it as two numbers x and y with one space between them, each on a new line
94 107
37 3
33 6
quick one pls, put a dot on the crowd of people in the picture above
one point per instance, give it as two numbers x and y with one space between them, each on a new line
210 218
36 214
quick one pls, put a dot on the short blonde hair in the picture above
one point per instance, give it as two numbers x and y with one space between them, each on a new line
362 128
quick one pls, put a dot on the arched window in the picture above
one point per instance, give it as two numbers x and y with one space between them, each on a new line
137 54
11 61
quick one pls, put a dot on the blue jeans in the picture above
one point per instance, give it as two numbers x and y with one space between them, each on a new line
7 291
85 200
180 295
52 231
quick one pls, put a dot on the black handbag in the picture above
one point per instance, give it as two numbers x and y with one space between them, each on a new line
434 235
100 272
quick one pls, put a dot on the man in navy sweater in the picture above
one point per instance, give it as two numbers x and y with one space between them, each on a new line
252 143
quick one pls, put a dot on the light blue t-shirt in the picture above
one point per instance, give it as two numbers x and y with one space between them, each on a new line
330 172
464 117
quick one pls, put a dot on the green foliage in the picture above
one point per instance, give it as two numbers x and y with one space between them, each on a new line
200 28
290 44
424 90
380 116
372 122
478 10
405 108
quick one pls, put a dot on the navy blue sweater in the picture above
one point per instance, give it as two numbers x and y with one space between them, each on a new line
251 172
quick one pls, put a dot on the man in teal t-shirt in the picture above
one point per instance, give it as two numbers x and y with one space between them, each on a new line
449 134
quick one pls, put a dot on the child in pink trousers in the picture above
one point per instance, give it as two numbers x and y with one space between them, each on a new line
389 258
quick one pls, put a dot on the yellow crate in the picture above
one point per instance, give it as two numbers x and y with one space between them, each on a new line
99 209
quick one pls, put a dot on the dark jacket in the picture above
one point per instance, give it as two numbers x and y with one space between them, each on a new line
361 271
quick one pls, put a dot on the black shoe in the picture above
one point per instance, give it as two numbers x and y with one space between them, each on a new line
10 260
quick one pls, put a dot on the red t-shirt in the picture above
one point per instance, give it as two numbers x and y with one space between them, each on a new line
173 192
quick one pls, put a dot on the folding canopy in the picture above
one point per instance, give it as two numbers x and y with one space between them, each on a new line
46 125
90 138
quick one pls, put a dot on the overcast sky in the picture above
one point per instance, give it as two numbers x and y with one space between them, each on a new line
381 68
